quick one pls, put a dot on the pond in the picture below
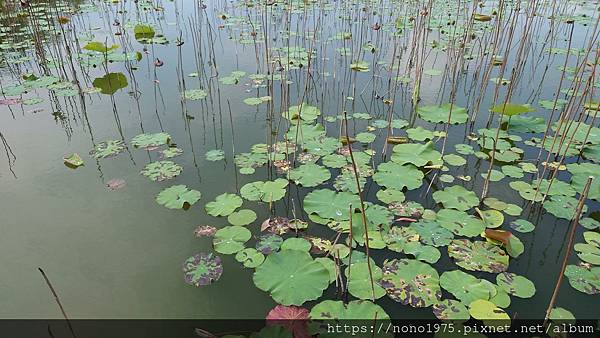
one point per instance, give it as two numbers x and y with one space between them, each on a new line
212 159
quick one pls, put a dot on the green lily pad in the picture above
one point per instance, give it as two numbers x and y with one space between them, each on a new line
450 309
202 269
161 170
510 109
304 113
440 114
515 285
110 83
563 206
584 279
171 152
269 243
215 155
359 281
460 223
309 175
178 197
294 243
492 218
250 257
581 172
223 205
150 140
390 195
194 94
397 238
485 310
231 239
329 204
419 134
292 277
455 160
417 154
522 225
411 282
73 160
590 251
425 253
478 256
395 176
108 148
432 233
241 217
356 309
456 197
466 287
268 191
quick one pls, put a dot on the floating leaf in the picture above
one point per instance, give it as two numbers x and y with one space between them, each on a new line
150 140
241 217
450 309
309 175
440 114
478 256
515 285
194 94
250 257
73 160
487 311
269 191
293 318
466 287
161 170
359 281
432 233
231 239
356 309
110 83
411 282
108 149
395 176
99 47
268 243
329 204
460 223
143 32
456 197
563 206
511 109
215 155
202 269
223 205
292 277
178 197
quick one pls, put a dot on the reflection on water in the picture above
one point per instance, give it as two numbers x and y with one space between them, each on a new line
117 254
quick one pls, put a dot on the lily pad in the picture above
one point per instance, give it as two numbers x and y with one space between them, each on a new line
215 155
161 170
292 277
268 191
460 223
440 114
515 285
395 176
269 243
432 233
450 309
250 257
356 309
150 140
478 256
223 205
202 269
309 175
359 281
584 279
466 287
73 160
241 217
108 149
411 282
329 204
456 197
178 197
231 239
485 310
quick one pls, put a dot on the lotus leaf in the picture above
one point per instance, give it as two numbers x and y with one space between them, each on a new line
466 287
422 252
456 197
460 223
215 155
309 175
478 256
390 195
108 149
398 237
73 160
485 310
356 309
581 172
223 205
292 277
510 109
150 140
395 176
202 269
329 204
194 94
231 239
417 154
563 206
269 243
250 257
584 279
294 243
161 170
110 83
265 191
443 113
450 309
411 282
178 197
432 233
241 217
359 281
515 285
522 225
